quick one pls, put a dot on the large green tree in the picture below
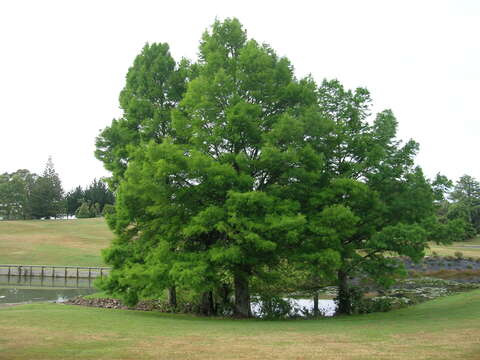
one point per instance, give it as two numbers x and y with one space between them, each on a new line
249 168
213 178
368 200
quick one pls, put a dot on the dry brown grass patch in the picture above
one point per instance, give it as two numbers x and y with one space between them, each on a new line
418 346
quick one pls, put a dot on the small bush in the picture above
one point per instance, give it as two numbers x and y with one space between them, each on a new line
458 255
272 307
84 212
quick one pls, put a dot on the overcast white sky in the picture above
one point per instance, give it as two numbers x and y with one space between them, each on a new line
63 64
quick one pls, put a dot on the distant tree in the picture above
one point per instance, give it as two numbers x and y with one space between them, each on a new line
10 197
15 194
98 193
73 200
466 203
441 187
85 211
47 194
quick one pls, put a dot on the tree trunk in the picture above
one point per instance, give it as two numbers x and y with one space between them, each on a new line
172 296
344 301
316 311
242 295
224 294
207 307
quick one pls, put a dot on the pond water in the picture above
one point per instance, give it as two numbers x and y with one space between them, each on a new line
21 289
327 307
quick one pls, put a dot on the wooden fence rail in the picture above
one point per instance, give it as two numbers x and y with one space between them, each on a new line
54 271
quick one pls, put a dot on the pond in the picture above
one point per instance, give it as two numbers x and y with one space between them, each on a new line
22 289
327 307
25 289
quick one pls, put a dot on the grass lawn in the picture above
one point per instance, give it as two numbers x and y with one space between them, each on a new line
446 328
462 246
54 242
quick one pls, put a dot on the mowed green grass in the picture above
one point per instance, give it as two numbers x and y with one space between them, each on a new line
446 328
54 242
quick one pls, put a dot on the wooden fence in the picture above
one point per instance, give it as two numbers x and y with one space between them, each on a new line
54 271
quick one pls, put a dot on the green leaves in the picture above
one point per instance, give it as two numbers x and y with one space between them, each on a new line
154 86
403 239
231 167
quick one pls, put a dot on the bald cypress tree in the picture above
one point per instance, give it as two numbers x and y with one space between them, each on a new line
250 168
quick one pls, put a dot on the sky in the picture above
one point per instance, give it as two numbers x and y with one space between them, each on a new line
63 65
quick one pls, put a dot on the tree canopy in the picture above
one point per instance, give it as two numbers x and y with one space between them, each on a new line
230 167
16 193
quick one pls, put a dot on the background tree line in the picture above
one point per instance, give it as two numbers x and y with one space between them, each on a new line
462 205
92 201
26 195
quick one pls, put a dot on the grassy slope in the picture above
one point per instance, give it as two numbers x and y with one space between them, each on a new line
53 242
446 328
78 242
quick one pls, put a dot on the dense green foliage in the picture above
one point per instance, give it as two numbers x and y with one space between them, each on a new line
459 204
155 85
16 194
466 204
90 201
247 170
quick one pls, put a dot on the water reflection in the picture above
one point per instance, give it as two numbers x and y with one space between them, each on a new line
22 295
327 307
19 289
